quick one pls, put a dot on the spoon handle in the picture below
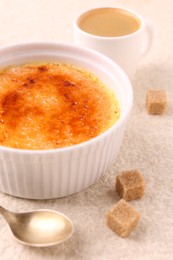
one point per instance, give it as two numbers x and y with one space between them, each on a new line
8 215
2 211
5 213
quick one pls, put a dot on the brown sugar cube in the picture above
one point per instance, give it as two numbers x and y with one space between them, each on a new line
156 102
122 218
130 185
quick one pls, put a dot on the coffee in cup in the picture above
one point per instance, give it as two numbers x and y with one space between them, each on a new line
119 33
109 22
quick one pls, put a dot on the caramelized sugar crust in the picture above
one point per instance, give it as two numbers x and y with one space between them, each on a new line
45 106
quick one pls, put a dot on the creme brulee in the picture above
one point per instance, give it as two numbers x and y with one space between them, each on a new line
47 106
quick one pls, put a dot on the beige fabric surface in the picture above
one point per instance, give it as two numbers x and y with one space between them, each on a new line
147 145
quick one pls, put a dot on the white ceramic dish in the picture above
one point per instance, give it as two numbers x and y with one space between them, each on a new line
45 174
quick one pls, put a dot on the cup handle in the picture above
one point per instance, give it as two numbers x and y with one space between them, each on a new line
150 35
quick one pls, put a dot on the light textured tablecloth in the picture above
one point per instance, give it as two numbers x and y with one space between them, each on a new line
147 145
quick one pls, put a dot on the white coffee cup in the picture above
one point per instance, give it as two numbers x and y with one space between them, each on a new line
126 50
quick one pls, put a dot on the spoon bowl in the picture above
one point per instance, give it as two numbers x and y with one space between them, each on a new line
39 228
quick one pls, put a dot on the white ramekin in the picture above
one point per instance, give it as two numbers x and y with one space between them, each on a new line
45 174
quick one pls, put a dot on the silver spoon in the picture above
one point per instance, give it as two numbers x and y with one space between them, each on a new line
39 228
